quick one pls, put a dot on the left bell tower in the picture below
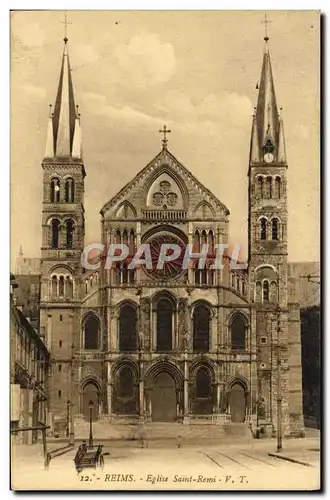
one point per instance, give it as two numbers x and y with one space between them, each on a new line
63 230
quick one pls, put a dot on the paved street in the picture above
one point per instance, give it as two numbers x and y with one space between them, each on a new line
227 467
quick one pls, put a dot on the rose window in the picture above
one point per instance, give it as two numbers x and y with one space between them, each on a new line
170 269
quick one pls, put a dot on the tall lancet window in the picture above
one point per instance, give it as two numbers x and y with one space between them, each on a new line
69 190
55 191
132 242
61 286
268 188
69 229
275 231
265 291
55 229
211 242
263 229
69 287
197 242
54 286
278 187
260 183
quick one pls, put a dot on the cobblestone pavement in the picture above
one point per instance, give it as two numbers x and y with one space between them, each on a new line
224 467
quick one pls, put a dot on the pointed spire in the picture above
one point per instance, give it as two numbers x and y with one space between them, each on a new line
49 153
267 113
254 146
281 155
64 116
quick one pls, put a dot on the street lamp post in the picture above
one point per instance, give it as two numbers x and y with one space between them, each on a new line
68 417
90 406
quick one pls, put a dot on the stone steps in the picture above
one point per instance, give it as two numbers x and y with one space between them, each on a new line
198 432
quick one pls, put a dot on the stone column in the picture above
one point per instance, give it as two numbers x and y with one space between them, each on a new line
109 388
186 390
190 242
141 386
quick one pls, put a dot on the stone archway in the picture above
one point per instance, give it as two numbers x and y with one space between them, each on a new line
164 391
90 393
237 403
163 398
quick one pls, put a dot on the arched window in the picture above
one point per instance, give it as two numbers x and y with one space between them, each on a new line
263 229
54 286
118 273
197 242
86 286
69 229
238 328
125 237
233 280
197 274
55 191
69 190
131 275
258 291
268 187
243 288
204 237
260 187
61 286
204 275
275 229
201 328
91 332
211 242
237 284
69 287
126 383
277 187
124 273
55 228
127 328
164 325
273 291
118 237
210 273
265 291
203 383
132 242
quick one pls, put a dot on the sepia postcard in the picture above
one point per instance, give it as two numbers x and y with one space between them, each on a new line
165 250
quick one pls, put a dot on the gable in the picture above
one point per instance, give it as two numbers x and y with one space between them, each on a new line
164 182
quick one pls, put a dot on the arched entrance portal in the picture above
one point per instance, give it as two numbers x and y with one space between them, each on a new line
91 393
237 403
163 398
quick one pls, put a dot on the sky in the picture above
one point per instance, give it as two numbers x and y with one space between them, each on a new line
196 72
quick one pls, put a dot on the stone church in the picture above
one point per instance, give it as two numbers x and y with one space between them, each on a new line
170 345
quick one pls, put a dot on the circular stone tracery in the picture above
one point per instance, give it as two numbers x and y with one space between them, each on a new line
171 269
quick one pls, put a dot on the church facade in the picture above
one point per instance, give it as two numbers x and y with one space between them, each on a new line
171 344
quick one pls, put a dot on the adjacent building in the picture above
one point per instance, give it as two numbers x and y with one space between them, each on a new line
29 369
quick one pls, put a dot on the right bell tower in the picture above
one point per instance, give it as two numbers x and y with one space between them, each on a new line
275 324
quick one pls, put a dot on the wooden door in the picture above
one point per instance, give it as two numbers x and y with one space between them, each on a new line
237 403
163 402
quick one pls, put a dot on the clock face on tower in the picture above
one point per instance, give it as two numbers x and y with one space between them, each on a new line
268 157
171 269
